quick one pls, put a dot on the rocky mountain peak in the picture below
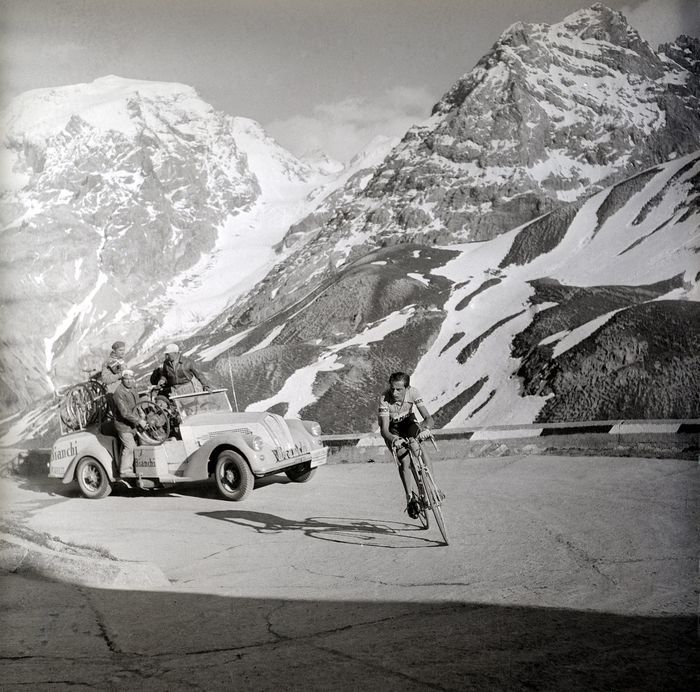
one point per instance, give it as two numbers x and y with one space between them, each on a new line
132 187
685 51
601 23
549 116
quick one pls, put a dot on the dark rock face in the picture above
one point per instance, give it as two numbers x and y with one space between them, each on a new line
643 363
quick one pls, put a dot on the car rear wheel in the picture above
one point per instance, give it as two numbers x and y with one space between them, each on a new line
300 473
93 480
234 479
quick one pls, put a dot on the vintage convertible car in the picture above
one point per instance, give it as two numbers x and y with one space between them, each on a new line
212 441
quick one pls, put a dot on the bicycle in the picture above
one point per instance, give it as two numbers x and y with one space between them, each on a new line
83 404
160 414
86 404
430 497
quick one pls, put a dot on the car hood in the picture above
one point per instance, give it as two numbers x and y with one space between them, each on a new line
272 428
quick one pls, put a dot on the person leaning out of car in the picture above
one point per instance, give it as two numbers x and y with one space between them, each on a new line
127 422
177 375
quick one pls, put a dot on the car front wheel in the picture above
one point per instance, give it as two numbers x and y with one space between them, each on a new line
234 479
300 473
93 480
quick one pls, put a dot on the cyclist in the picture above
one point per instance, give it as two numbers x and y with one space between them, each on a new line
397 422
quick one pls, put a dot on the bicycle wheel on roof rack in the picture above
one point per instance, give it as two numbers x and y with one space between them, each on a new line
97 394
67 411
82 405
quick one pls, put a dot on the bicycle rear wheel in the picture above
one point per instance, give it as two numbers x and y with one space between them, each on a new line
435 502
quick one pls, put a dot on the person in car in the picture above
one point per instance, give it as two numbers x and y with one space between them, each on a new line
126 421
397 422
111 373
177 375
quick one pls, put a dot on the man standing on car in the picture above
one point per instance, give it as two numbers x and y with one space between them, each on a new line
111 374
126 421
178 374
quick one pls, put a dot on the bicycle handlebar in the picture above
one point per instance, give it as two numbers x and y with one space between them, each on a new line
404 442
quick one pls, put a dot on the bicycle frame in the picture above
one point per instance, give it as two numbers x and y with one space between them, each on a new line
429 495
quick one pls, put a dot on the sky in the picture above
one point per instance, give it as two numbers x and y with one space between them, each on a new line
326 75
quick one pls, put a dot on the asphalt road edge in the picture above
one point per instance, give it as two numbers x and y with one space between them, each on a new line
73 565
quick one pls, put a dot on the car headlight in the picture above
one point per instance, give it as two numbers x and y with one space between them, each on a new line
315 429
257 443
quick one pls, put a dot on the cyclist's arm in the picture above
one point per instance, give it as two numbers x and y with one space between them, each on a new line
388 436
428 421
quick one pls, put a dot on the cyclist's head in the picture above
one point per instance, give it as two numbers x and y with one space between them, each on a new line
398 381
119 347
402 377
128 378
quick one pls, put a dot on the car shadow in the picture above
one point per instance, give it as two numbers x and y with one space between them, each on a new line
54 487
367 532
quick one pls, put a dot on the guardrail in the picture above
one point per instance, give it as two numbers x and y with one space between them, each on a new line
677 439
659 438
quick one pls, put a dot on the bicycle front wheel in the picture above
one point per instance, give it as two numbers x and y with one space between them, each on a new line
433 494
422 497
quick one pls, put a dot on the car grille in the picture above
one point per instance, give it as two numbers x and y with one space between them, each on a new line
279 431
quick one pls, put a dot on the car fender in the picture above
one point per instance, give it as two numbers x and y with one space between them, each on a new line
98 454
207 452
80 445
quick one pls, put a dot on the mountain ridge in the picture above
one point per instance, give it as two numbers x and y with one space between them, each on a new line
517 234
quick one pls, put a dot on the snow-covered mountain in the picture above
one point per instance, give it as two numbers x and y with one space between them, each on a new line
132 210
549 116
530 251
590 312
587 312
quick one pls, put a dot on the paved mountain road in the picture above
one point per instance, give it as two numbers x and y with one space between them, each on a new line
329 583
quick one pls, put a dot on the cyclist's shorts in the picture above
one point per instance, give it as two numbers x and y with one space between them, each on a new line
406 427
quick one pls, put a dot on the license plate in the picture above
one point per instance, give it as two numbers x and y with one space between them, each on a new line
284 454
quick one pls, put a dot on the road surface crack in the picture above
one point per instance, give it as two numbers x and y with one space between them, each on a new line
100 622
581 556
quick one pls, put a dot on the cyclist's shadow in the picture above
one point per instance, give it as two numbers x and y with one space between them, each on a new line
376 533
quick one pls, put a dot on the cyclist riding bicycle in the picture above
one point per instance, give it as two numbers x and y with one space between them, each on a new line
397 422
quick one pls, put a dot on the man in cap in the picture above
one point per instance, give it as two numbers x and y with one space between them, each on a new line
177 375
126 421
111 374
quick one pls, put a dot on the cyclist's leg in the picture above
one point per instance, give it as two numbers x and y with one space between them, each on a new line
405 473
412 435
403 459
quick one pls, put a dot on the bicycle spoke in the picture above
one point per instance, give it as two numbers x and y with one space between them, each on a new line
435 502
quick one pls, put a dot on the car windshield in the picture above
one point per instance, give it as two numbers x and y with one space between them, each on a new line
202 402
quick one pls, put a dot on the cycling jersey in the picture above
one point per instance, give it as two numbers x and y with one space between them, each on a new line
396 411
